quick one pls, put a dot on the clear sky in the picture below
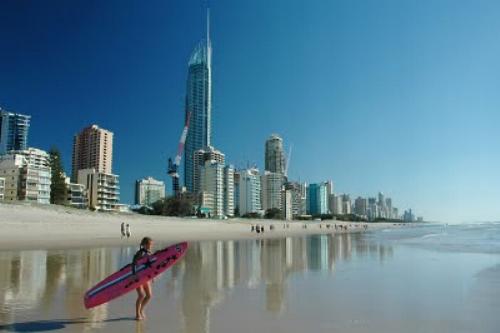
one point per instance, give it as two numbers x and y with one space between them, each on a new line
394 96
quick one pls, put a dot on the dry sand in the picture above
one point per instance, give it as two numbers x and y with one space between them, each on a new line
28 226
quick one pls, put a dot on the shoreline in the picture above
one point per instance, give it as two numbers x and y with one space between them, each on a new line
30 227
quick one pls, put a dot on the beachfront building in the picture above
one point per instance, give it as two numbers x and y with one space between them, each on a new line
317 199
299 197
236 184
337 204
361 206
92 149
286 204
103 189
27 175
208 153
250 192
198 106
148 191
275 156
10 171
272 184
2 188
373 209
408 216
212 188
346 204
14 128
76 195
388 208
217 189
229 192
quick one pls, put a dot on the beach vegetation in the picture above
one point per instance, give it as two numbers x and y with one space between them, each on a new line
58 189
273 213
174 206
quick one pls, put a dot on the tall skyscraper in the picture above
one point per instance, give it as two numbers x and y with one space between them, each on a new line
92 149
14 130
198 104
275 156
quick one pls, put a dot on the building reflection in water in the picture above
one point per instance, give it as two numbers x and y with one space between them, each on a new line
209 272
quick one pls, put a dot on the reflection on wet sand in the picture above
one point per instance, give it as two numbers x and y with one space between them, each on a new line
35 280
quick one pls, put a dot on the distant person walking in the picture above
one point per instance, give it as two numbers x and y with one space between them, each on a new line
128 231
123 229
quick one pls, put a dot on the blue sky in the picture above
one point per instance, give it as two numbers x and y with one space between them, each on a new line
393 96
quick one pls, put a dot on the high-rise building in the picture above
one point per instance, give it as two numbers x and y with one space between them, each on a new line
236 183
200 156
408 216
103 189
250 192
92 149
338 205
275 156
361 206
14 128
212 188
198 105
299 197
346 204
229 191
388 207
373 209
272 183
27 175
286 204
2 188
148 191
317 199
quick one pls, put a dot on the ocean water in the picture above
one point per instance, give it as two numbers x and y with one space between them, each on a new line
429 278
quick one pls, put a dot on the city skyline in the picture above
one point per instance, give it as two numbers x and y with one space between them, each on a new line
431 156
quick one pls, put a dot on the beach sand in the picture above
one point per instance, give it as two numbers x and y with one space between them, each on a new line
25 226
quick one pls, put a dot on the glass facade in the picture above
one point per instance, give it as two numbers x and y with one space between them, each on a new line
13 131
199 105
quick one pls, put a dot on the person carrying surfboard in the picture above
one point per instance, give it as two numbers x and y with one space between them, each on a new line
144 291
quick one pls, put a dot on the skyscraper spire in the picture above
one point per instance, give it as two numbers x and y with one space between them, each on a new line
208 27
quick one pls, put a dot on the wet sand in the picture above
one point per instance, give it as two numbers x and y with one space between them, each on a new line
54 227
352 282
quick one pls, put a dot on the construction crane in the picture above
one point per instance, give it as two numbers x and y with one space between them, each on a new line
174 165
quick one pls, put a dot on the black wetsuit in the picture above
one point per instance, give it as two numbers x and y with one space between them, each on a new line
138 255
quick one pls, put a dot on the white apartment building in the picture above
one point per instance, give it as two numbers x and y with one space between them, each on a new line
212 188
27 175
286 205
250 192
103 189
229 190
272 184
2 188
200 156
148 191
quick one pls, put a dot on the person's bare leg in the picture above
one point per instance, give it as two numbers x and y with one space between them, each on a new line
149 293
138 304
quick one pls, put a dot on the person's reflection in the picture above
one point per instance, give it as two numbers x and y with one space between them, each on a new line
139 326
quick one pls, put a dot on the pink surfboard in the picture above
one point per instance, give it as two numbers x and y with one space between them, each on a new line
123 281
